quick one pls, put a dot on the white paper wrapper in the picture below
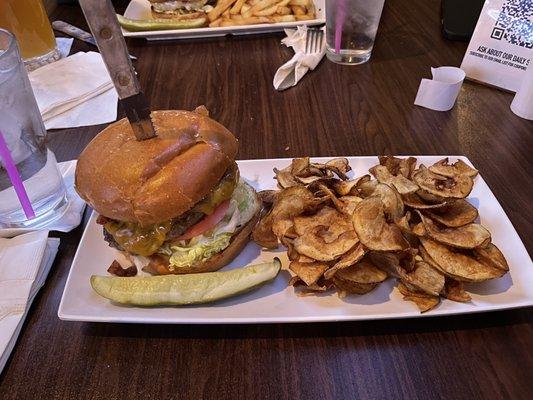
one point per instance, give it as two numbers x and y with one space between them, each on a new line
440 92
522 104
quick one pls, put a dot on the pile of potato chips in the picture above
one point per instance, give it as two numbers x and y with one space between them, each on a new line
409 223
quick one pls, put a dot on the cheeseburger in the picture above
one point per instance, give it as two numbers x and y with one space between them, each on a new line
181 9
175 203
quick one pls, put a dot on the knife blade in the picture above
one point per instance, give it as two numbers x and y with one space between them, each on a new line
78 33
102 21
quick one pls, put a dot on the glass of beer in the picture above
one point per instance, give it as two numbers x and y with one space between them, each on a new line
28 21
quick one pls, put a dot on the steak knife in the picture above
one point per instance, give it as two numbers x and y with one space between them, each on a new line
102 21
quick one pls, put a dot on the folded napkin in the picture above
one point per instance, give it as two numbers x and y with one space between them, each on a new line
290 73
64 45
75 91
71 218
24 264
440 92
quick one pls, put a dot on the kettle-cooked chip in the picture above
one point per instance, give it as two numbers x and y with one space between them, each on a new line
458 265
468 236
399 182
454 214
310 273
348 259
457 186
372 228
423 301
454 290
457 168
324 243
491 255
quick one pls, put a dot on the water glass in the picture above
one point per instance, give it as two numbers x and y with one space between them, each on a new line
351 27
23 131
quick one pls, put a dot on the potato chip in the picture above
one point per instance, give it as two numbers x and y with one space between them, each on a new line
372 228
416 202
399 166
423 301
348 259
310 273
457 186
492 256
454 214
322 243
458 265
400 182
324 217
360 278
424 278
457 168
340 166
454 290
344 188
468 236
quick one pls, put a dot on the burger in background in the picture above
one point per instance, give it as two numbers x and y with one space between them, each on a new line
175 203
180 9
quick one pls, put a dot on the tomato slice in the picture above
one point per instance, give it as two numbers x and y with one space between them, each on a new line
207 223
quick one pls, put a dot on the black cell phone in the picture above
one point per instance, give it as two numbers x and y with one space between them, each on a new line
459 18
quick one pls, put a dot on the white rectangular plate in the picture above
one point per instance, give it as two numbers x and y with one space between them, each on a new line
140 9
275 301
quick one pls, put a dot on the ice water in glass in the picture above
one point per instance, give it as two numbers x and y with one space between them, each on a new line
23 131
351 27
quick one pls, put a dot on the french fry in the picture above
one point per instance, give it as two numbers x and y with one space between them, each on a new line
267 11
304 3
236 9
247 21
305 17
236 17
226 14
298 10
283 10
284 18
245 8
259 6
216 23
221 6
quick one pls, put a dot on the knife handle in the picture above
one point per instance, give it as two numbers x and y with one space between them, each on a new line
73 31
102 20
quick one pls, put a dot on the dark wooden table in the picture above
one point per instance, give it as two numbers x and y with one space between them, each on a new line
335 110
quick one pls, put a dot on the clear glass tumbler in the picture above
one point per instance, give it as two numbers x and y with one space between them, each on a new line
22 129
351 27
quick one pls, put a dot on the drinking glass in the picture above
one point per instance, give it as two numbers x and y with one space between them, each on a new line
351 27
28 21
22 130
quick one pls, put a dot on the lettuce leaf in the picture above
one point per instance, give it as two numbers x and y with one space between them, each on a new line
243 206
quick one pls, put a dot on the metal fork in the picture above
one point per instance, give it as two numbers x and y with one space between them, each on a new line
313 42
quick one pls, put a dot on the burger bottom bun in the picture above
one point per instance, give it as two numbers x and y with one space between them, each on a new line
159 265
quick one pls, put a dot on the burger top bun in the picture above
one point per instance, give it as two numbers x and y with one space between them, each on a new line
157 179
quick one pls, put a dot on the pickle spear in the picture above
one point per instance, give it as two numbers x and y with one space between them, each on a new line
140 25
184 289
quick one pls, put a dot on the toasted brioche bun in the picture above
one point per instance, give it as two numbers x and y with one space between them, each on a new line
159 265
154 180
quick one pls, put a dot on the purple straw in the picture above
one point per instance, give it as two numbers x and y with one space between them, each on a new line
14 176
341 15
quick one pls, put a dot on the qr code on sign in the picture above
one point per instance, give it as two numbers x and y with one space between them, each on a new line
515 23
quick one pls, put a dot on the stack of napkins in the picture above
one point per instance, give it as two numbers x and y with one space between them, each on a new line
24 264
75 91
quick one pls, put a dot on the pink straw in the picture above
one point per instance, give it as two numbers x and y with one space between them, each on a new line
341 15
14 176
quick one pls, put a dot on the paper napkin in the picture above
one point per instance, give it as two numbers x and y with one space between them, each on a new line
73 214
290 73
24 265
440 92
75 91
64 45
